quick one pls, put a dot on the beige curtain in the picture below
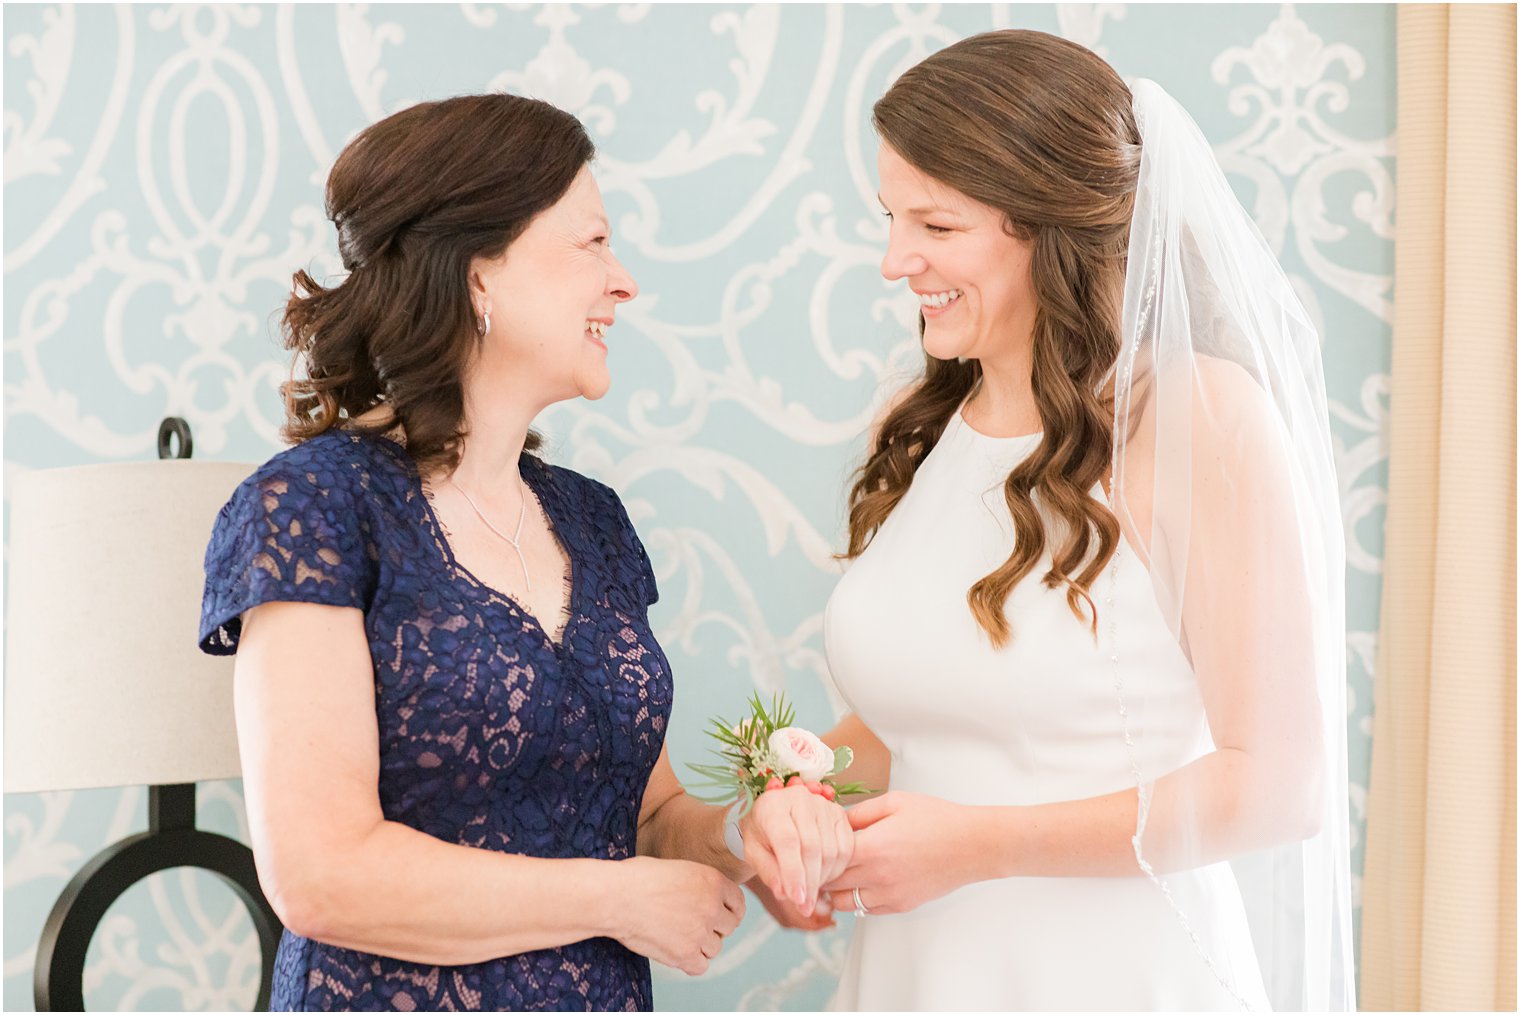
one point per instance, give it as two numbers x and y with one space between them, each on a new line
1438 894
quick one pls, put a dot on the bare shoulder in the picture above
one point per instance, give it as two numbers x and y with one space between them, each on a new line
1232 399
1235 417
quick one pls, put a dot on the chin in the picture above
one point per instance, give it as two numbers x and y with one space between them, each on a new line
593 388
942 346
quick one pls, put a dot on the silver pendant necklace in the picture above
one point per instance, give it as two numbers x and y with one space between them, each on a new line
514 542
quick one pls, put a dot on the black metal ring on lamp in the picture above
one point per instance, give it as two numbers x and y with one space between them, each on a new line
170 428
172 840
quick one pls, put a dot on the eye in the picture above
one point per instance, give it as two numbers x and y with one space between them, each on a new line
886 214
938 230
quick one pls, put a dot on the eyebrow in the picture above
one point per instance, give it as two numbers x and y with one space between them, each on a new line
928 210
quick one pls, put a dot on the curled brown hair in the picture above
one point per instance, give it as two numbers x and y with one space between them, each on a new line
1042 130
416 197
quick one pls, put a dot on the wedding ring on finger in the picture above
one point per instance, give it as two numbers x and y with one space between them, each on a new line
860 907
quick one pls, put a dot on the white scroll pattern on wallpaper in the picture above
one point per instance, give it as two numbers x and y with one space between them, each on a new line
171 160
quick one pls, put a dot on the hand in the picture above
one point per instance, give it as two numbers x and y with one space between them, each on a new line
787 914
909 850
797 842
676 912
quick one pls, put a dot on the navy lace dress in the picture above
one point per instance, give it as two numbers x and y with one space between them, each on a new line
490 735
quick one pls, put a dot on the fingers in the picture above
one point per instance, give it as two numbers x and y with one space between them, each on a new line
863 866
832 860
828 848
811 850
726 921
786 914
868 812
820 918
766 869
839 844
787 848
731 914
798 844
733 899
869 898
846 844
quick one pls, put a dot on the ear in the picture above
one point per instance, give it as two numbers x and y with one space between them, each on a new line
475 283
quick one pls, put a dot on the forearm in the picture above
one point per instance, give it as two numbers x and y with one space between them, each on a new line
685 828
405 894
1220 806
872 765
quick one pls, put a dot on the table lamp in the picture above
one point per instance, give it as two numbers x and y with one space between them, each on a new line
105 685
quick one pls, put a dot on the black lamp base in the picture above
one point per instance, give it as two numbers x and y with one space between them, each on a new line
172 840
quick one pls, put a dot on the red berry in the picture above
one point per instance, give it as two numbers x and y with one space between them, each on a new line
795 780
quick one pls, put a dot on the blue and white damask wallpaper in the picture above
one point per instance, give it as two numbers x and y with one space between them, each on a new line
163 179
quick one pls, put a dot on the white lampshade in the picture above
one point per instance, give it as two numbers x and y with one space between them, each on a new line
104 682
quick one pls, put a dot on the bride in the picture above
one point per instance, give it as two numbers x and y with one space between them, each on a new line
1092 637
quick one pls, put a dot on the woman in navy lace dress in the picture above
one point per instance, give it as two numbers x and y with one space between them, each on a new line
451 708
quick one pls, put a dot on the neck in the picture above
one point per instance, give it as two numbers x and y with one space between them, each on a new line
497 429
1004 399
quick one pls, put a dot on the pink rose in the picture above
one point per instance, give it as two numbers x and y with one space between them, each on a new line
797 750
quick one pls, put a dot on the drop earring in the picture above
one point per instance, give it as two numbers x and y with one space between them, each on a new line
485 323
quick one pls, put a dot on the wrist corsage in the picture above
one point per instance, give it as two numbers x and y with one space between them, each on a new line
765 751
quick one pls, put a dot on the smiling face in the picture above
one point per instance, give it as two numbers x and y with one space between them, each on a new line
552 296
971 276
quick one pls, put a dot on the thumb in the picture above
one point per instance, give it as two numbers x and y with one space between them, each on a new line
868 812
763 863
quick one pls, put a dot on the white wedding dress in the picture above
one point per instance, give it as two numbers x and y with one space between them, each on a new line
1036 722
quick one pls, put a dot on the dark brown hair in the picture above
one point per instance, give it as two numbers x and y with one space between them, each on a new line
415 197
1042 130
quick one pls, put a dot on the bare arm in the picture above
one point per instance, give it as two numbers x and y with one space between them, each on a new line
335 870
872 766
1245 807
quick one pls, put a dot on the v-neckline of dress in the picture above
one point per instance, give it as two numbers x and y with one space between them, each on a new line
530 473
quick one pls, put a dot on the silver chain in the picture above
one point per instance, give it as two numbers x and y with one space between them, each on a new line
515 543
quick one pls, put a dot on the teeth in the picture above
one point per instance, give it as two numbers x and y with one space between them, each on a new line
939 299
597 329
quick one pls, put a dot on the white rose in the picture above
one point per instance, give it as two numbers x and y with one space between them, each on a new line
797 750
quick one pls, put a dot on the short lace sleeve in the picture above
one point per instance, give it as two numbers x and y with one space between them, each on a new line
632 567
293 532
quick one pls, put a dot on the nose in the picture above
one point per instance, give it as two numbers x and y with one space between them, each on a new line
901 261
620 284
